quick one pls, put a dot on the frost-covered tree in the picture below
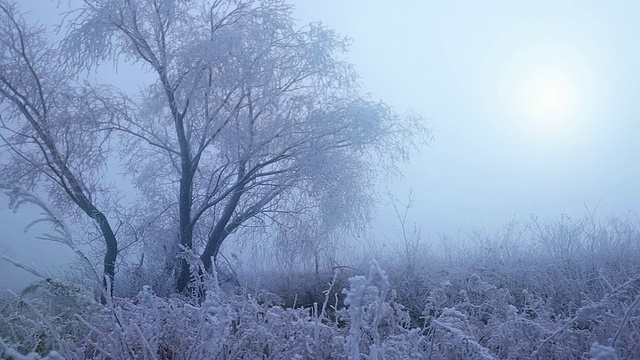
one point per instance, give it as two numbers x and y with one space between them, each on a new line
251 118
49 127
252 121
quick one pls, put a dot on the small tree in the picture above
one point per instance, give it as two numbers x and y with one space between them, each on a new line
48 124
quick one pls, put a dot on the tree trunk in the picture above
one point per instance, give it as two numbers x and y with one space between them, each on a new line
220 232
111 253
185 201
186 228
78 196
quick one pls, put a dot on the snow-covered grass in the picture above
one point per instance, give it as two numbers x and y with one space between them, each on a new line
561 289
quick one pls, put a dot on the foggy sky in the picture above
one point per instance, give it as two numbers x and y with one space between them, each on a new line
461 64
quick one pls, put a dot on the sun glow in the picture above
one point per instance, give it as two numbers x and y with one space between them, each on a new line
547 92
549 99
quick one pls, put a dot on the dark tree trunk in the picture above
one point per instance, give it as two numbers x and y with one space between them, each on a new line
187 170
186 228
185 202
109 236
111 253
221 231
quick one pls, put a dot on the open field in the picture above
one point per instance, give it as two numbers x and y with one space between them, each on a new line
562 289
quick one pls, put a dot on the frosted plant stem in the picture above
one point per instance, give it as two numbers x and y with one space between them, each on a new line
620 294
27 268
335 307
556 333
604 280
145 342
102 335
625 320
13 354
326 296
49 325
479 351
193 349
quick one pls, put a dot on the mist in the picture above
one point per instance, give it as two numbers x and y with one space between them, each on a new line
435 146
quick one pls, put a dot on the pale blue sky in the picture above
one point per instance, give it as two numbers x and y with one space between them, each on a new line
466 65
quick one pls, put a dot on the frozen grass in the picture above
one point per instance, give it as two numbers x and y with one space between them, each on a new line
563 289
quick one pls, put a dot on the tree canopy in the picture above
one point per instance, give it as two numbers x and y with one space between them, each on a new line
252 122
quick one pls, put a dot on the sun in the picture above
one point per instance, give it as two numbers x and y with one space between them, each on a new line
549 98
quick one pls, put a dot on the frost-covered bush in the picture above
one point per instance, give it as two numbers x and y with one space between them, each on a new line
222 326
470 319
44 319
491 307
